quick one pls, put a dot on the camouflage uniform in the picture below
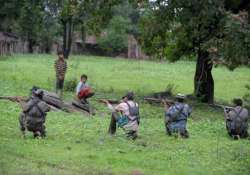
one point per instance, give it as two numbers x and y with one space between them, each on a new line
176 119
237 122
33 117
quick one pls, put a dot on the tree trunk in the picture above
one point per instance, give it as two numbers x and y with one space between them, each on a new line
203 79
64 35
67 37
47 46
30 45
83 32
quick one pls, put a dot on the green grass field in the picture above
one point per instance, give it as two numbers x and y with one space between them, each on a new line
78 144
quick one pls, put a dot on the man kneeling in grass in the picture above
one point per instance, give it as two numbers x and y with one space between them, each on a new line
176 117
126 115
237 120
34 115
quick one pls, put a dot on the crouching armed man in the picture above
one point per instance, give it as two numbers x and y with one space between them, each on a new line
176 117
237 120
125 115
33 115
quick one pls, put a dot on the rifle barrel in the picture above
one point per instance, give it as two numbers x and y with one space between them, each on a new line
157 100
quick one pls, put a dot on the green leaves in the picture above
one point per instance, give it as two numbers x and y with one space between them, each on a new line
235 44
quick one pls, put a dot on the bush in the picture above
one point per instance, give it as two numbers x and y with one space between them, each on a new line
115 40
246 97
70 85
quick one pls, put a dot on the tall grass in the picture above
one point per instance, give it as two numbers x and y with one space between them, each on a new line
80 145
120 75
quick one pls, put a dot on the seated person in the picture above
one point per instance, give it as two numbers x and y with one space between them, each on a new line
126 115
176 117
237 120
83 90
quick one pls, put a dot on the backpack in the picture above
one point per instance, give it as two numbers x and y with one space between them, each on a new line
35 113
134 112
237 125
177 114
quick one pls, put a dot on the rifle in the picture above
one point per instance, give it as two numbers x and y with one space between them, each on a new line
109 100
157 100
222 106
18 99
14 98
22 100
226 109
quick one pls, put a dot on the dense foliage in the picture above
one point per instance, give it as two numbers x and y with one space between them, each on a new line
207 29
166 29
124 22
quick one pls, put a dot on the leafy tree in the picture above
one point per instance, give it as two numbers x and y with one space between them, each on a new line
186 27
124 21
9 13
73 14
30 22
115 36
234 46
50 31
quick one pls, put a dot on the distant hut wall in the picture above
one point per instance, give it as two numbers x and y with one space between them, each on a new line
8 44
134 49
7 47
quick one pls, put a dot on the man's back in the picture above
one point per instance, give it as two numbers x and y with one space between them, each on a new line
179 111
237 121
33 117
35 108
240 112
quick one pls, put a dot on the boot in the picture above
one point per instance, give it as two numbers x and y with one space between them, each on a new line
112 125
36 134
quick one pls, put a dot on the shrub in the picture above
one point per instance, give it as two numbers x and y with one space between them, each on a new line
70 85
246 97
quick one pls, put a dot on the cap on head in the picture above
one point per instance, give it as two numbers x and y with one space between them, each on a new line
180 96
129 95
238 101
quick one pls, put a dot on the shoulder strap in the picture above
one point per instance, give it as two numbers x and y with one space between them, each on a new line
180 111
36 104
238 113
129 107
39 109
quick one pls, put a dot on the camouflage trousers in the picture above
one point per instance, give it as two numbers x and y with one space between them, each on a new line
233 131
38 128
112 127
177 127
